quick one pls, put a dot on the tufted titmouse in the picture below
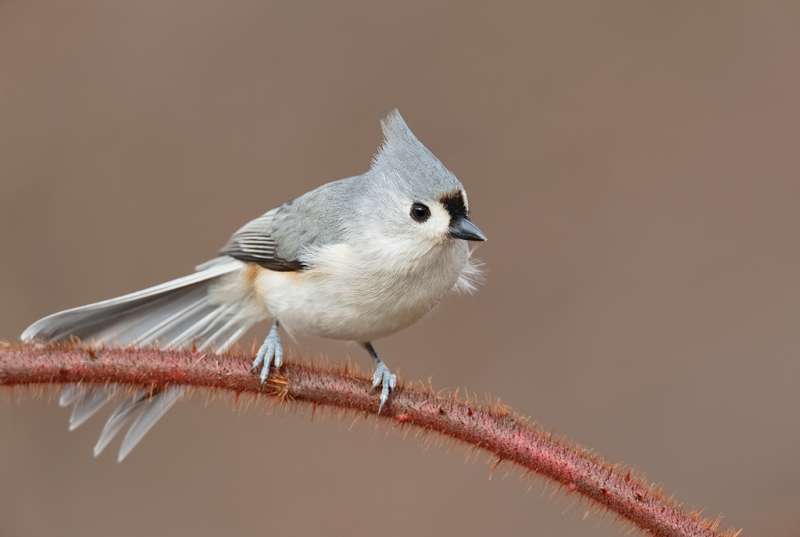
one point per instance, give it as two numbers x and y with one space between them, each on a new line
356 259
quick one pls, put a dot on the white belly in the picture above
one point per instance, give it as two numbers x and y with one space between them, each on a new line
347 299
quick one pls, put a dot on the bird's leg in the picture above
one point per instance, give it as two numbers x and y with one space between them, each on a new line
270 353
383 377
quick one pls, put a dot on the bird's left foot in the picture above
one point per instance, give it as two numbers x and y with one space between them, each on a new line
271 352
382 377
386 379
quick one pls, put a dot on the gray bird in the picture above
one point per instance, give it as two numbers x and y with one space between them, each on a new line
356 259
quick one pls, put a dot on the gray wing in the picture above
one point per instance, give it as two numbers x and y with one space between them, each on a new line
255 242
277 240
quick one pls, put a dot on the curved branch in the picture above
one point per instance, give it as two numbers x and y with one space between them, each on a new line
493 429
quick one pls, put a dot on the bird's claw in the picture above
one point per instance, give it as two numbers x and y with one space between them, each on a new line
271 352
386 379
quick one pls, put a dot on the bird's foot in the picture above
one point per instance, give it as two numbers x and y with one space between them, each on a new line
386 379
271 352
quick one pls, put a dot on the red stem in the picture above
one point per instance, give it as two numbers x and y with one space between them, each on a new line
495 429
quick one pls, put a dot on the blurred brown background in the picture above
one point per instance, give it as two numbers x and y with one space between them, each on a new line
635 166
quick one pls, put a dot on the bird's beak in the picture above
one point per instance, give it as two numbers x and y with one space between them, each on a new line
462 228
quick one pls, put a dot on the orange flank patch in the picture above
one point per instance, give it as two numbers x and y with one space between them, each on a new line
251 272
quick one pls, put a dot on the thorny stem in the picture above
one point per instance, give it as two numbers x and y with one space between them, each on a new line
493 429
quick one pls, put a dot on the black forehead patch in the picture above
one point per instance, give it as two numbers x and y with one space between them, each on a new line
454 204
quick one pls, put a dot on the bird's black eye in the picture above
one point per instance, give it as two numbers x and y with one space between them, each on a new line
420 212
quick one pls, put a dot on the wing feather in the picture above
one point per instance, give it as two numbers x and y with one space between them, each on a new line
256 243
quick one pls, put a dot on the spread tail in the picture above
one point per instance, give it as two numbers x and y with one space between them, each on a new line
174 314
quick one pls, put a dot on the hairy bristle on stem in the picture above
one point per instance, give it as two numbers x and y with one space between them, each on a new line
493 428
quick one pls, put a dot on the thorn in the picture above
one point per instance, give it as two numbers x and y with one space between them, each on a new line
279 385
494 467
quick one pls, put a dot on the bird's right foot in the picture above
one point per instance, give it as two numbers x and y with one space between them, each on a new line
271 352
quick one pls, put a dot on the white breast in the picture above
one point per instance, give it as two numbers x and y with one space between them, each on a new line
363 293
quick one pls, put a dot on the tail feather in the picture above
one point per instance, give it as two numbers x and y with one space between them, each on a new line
154 409
200 328
118 419
163 329
129 327
70 394
221 328
126 318
235 336
92 400
173 314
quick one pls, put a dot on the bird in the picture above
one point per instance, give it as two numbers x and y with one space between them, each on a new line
355 259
